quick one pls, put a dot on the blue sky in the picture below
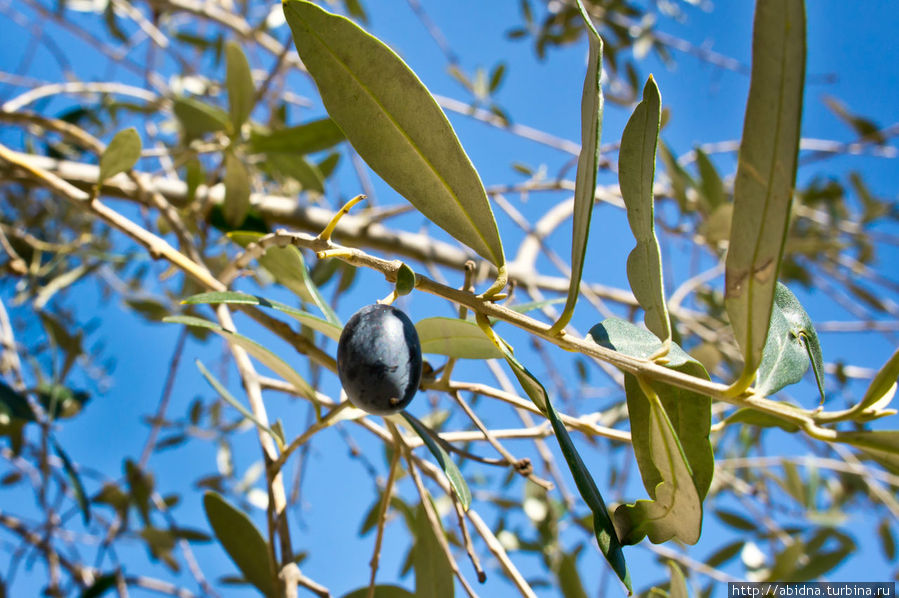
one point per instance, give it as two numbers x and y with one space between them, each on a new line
853 54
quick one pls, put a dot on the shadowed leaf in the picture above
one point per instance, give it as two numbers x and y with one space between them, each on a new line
239 81
449 467
120 155
237 190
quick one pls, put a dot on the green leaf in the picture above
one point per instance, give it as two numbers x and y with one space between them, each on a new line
230 399
689 412
882 387
736 521
569 578
394 123
433 575
678 586
237 190
381 592
272 361
287 266
235 298
77 487
675 511
761 419
239 82
120 155
636 172
449 467
711 186
680 178
880 445
587 165
461 339
766 173
293 166
603 527
405 280
198 118
242 541
101 584
308 138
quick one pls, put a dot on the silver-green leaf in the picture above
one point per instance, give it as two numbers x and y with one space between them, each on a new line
120 155
461 339
449 467
636 172
237 190
766 172
394 124
239 82
587 165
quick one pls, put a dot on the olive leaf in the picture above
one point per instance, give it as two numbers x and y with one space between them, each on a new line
307 138
120 155
433 575
198 118
711 187
766 172
405 280
287 266
449 467
689 412
235 298
239 82
880 445
394 124
77 487
603 528
237 190
461 339
636 172
882 388
267 357
242 541
587 165
792 344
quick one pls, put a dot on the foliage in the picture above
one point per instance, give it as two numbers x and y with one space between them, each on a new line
215 208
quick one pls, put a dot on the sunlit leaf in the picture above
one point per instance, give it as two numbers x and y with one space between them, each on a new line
760 419
239 82
235 298
120 155
882 387
678 586
237 190
381 592
766 172
433 575
272 361
287 266
880 445
587 165
636 172
675 511
394 124
242 541
449 467
453 337
603 527
690 413
791 340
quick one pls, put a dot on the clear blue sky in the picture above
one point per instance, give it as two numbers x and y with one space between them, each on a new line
853 55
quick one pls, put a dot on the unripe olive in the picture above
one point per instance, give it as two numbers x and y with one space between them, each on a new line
379 359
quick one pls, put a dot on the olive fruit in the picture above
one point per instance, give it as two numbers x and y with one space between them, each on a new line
379 359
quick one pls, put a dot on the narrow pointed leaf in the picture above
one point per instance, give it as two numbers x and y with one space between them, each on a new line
307 138
690 413
880 445
603 527
237 190
272 361
239 81
791 340
766 172
242 541
711 187
381 592
77 487
449 467
675 511
395 124
453 337
14 405
198 118
287 266
232 400
636 172
883 383
587 165
235 298
120 155
433 575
